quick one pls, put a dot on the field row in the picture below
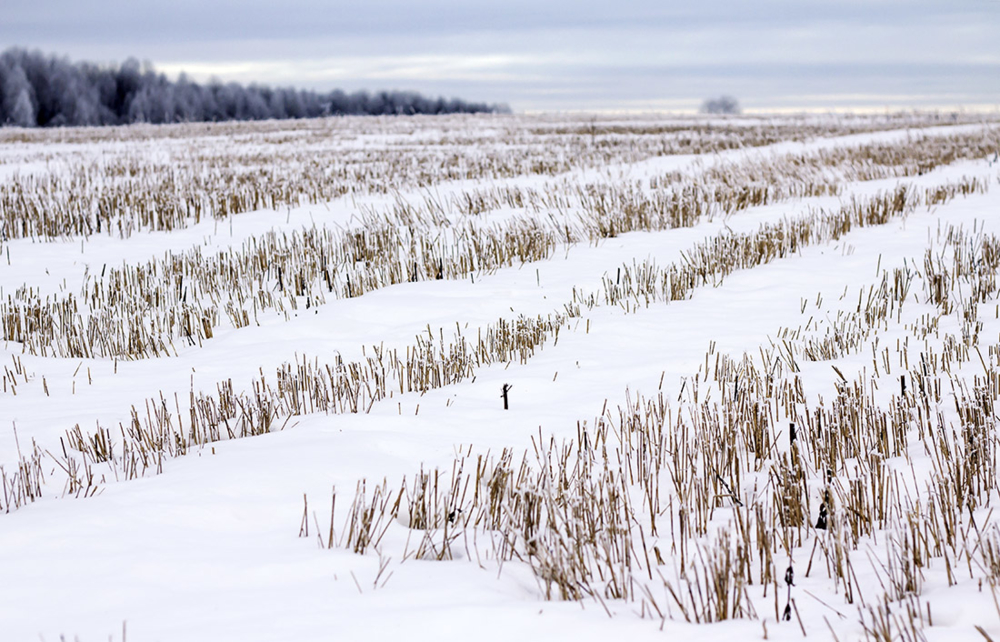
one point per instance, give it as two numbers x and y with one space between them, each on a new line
759 390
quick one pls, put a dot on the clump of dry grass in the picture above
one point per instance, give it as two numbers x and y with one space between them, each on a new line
142 311
658 483
431 363
690 514
139 190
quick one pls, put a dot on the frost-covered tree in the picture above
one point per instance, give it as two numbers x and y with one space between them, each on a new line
37 90
18 106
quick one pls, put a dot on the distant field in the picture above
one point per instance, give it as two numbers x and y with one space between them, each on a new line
496 377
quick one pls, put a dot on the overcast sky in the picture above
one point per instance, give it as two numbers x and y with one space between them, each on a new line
553 54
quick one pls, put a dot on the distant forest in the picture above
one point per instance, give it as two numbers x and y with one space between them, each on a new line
39 90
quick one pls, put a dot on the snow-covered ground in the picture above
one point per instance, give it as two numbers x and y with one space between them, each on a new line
215 548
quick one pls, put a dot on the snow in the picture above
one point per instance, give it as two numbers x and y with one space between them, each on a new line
209 549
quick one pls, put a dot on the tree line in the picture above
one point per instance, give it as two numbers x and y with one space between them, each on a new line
39 90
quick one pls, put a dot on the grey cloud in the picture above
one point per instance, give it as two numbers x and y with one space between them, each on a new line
231 19
557 54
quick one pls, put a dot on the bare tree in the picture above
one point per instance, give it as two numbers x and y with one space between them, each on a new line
721 105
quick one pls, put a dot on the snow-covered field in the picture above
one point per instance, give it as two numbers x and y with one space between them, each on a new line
253 379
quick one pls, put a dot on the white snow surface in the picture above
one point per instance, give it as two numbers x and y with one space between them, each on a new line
208 550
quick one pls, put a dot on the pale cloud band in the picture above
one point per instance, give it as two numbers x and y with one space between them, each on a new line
555 55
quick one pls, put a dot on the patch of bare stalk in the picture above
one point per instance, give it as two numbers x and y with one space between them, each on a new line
137 189
754 491
720 511
13 376
728 497
142 311
754 496
161 429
